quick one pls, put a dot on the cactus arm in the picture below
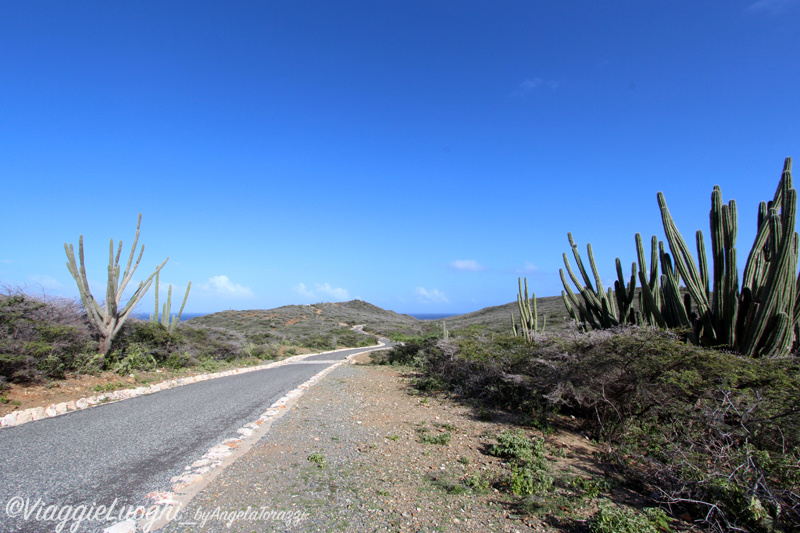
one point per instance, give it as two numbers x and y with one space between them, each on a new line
126 277
717 250
777 293
165 318
185 297
154 316
587 281
730 287
649 302
684 262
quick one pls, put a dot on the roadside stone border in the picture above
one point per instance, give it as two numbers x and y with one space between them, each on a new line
33 414
165 506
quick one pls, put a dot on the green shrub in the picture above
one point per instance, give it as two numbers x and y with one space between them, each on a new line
611 519
529 471
515 446
136 357
442 439
527 479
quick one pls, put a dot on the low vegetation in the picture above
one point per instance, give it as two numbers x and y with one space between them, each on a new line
43 338
699 432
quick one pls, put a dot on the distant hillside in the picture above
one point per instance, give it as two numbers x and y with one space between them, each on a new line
294 323
498 318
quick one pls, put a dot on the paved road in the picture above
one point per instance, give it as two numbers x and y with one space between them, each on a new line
115 454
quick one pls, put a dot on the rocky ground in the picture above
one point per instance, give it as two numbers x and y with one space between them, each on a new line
350 456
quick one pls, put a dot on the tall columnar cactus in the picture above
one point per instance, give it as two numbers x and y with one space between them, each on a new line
763 320
768 314
599 308
528 315
166 319
109 319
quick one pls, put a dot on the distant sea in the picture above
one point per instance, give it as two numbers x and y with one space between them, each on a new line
184 316
430 316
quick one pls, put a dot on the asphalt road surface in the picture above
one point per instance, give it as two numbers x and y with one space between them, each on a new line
115 454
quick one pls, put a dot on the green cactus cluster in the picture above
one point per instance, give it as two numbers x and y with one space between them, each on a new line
167 319
758 317
528 316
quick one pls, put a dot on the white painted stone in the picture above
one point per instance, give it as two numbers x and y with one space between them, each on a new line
188 480
37 413
82 403
245 431
61 408
219 448
127 526
50 411
200 462
71 405
9 420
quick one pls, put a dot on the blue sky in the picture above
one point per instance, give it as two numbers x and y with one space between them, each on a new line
419 155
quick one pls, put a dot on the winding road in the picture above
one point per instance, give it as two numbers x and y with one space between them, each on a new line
110 457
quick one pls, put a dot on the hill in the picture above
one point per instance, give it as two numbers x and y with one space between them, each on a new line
292 324
498 318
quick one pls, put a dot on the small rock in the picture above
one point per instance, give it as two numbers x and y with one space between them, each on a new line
9 420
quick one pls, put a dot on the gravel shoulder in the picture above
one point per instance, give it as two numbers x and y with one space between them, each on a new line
349 456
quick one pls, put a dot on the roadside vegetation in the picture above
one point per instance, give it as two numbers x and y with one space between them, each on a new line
692 381
44 338
699 433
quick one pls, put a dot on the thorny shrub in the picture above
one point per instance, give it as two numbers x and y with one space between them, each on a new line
41 336
708 433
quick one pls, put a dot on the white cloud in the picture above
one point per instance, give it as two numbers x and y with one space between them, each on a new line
466 264
432 295
529 268
534 84
336 293
304 291
222 285
771 6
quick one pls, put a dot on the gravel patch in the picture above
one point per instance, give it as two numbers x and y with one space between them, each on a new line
349 457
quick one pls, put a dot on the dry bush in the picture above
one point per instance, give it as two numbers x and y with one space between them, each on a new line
706 432
41 336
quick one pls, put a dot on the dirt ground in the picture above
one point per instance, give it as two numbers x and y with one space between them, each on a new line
20 397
